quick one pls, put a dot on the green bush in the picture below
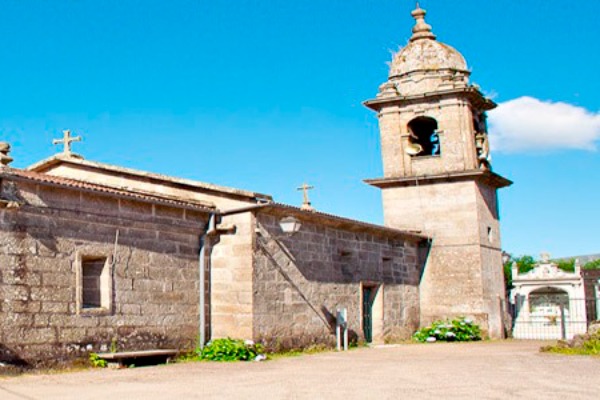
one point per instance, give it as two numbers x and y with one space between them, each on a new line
592 264
457 330
230 350
525 263
96 361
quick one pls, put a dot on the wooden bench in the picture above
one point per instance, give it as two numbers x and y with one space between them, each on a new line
147 357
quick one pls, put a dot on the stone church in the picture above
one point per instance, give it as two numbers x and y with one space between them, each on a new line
94 256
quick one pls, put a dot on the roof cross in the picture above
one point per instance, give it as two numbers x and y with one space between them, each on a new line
306 203
66 141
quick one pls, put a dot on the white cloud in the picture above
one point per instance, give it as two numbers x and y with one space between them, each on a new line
526 124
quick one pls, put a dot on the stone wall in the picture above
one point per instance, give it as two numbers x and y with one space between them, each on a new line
463 274
153 274
456 133
300 282
231 278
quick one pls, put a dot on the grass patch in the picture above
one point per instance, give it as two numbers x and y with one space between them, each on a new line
588 345
314 349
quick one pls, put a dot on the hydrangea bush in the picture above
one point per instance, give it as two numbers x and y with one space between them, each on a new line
457 330
228 349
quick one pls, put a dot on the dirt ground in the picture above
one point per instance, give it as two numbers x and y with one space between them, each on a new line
484 370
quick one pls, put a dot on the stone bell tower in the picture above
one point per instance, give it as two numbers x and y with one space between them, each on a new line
438 177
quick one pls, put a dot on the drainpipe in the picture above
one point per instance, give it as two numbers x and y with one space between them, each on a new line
210 230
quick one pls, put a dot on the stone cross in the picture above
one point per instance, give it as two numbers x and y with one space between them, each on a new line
306 203
545 257
66 141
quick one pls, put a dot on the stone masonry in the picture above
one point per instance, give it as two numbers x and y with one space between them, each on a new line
150 248
229 254
95 257
301 280
450 194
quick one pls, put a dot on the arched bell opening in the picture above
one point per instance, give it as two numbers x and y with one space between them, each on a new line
423 139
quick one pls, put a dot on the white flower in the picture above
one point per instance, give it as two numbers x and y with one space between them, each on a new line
249 342
450 334
468 320
430 339
260 357
437 332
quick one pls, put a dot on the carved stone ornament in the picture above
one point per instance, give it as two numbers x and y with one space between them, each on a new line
547 272
5 159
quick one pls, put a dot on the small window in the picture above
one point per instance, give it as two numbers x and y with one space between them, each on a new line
490 234
91 272
423 139
94 289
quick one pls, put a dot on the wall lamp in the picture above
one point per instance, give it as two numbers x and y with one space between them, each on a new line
289 225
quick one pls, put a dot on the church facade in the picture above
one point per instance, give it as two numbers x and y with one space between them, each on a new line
95 256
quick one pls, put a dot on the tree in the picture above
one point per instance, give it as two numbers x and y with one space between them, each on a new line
566 265
525 263
592 264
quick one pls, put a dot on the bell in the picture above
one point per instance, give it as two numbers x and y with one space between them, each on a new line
413 149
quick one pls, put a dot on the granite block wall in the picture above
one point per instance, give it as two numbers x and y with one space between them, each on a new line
300 281
150 249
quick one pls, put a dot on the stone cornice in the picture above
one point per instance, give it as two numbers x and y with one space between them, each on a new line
471 93
487 177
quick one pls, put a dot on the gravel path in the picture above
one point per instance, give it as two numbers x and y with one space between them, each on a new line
484 370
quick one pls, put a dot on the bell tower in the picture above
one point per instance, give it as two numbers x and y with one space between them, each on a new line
438 177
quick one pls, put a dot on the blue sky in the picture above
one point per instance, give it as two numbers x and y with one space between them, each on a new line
266 95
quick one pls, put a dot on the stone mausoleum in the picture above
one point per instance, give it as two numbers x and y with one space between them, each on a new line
549 303
94 256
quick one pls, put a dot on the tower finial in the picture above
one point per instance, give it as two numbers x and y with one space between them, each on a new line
421 30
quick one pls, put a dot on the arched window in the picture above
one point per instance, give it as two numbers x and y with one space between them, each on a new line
423 139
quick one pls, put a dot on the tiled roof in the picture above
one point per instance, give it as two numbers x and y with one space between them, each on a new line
347 223
96 188
49 163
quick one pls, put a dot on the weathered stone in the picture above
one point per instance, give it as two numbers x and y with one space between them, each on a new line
294 302
437 179
38 282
